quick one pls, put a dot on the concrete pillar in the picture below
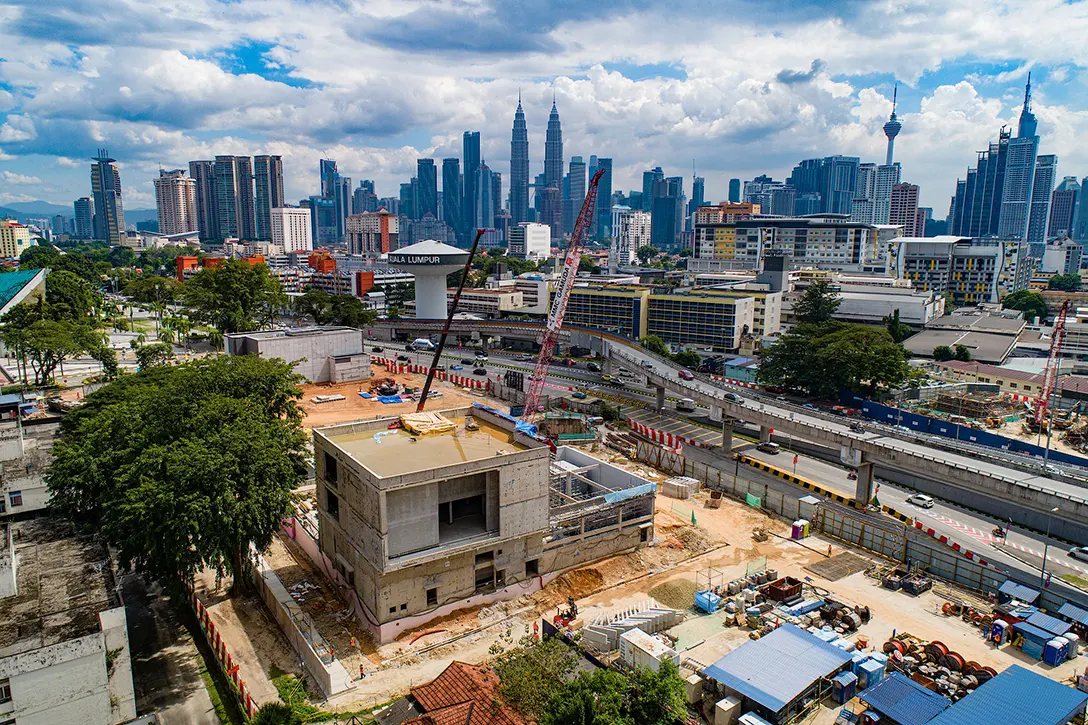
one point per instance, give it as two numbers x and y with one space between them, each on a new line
863 493
764 433
715 413
660 393
727 435
606 366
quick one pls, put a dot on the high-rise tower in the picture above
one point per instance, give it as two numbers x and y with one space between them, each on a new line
268 188
1020 175
553 174
207 200
470 155
1028 125
892 127
519 168
109 212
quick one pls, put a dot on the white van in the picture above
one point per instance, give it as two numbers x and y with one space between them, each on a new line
685 405
422 343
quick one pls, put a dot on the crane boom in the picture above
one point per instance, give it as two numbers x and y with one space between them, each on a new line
559 301
1053 365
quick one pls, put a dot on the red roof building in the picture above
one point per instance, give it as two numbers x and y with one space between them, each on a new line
463 694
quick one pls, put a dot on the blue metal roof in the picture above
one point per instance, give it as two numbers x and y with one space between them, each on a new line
1074 612
1016 590
905 701
1032 632
774 670
11 398
1055 626
1016 695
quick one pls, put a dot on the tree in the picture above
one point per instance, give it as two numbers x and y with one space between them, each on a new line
586 264
962 353
688 359
184 467
235 296
645 253
69 296
108 358
153 290
657 698
1064 282
327 309
314 303
121 257
530 674
1030 302
833 357
656 345
40 256
32 333
898 330
275 713
157 353
943 353
817 304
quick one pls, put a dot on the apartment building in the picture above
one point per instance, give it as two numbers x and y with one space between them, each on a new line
291 229
15 238
830 241
372 233
970 270
529 240
175 199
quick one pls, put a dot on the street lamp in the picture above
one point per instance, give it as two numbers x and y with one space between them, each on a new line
1046 547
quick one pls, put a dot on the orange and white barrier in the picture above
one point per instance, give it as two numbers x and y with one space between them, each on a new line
222 654
669 440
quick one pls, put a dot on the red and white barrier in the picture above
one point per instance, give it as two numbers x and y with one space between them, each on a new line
669 440
222 654
731 381
955 546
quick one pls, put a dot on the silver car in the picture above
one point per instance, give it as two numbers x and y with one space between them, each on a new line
1079 552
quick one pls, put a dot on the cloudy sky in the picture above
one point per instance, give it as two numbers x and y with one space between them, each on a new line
740 87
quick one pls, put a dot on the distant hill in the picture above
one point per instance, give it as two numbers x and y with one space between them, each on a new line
40 209
22 211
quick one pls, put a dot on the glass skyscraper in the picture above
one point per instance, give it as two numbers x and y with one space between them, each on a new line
519 168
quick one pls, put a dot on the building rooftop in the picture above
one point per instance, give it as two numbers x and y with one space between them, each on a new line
774 670
64 582
995 370
1017 695
387 453
984 346
463 694
292 332
979 322
16 286
905 701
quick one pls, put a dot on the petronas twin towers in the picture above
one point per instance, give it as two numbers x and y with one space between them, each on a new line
550 192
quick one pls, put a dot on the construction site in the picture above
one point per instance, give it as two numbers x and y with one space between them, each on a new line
442 531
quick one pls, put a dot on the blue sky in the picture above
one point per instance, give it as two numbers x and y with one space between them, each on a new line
740 87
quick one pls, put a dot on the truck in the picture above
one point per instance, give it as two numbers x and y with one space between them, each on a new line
421 343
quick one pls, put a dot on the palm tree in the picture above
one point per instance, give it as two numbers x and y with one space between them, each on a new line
275 713
166 335
215 337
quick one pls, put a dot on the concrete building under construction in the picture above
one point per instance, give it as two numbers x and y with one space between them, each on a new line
421 524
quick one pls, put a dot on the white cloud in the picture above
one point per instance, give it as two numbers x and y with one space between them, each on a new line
8 198
763 88
10 177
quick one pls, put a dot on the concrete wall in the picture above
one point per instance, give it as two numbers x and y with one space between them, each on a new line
62 683
310 349
114 626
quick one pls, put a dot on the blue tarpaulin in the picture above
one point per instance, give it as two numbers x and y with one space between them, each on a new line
519 425
368 396
389 399
614 496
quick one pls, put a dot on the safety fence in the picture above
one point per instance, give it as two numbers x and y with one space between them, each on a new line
801 481
669 440
223 657
401 368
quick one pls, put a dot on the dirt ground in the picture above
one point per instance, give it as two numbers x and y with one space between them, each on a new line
254 639
355 407
720 544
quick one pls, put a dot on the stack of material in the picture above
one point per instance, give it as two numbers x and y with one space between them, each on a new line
603 634
427 423
680 487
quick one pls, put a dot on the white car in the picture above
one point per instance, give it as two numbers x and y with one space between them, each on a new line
920 499
1079 552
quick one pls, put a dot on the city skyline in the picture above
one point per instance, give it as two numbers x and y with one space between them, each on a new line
792 85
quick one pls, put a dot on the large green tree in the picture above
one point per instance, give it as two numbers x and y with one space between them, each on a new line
1030 302
70 296
827 358
1064 282
898 330
235 296
943 353
150 289
607 697
329 309
530 674
645 253
656 345
818 303
41 338
181 468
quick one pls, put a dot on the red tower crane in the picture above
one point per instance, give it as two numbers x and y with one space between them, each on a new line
559 301
1053 363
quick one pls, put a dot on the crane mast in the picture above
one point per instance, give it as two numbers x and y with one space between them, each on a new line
559 301
1053 365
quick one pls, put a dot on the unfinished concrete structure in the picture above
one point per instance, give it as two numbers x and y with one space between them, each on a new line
64 654
320 354
421 525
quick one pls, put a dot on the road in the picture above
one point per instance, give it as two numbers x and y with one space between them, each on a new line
969 528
